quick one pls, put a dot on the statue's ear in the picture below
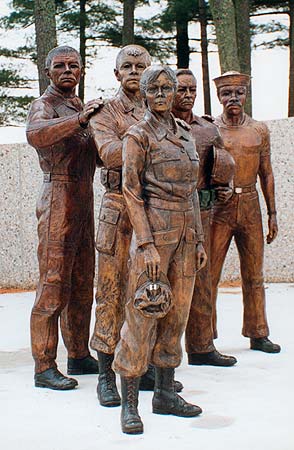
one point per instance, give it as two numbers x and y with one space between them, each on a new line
117 75
47 72
82 71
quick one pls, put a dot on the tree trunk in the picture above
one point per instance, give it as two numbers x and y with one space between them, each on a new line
223 13
45 27
291 65
82 45
204 57
128 22
182 38
242 17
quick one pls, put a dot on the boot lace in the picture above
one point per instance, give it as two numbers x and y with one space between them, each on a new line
131 394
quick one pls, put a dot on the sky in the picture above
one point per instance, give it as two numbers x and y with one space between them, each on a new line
269 71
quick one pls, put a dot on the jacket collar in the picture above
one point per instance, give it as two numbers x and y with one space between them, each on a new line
74 103
195 119
127 104
161 131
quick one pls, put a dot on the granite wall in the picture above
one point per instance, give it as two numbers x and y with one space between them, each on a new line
20 179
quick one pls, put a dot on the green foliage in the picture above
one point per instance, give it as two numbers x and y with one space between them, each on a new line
276 5
13 110
277 31
21 16
24 52
10 78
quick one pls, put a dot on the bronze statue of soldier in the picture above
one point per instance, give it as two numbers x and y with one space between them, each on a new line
57 129
248 141
115 230
199 331
160 168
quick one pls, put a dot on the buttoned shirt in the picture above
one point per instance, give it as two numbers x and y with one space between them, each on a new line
53 129
109 125
158 164
206 137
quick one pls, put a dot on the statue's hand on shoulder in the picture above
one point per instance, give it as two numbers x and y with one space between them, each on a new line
209 118
152 261
89 109
201 257
272 228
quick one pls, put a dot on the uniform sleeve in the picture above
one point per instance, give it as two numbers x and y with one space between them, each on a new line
44 129
265 171
104 129
134 156
198 227
218 140
265 135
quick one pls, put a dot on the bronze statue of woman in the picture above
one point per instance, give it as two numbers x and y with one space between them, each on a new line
160 168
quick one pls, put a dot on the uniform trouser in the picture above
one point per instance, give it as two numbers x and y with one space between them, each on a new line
241 219
113 243
66 264
146 340
199 332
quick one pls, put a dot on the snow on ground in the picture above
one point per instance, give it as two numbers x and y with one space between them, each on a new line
12 135
248 406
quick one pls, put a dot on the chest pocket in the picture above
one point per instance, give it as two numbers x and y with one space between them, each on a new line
192 169
191 151
166 164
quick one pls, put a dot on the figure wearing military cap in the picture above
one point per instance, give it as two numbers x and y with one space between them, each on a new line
248 141
216 169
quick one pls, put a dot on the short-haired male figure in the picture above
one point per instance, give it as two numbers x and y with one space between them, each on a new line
57 129
115 230
248 141
199 330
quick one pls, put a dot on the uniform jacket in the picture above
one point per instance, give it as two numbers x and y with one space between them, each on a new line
161 165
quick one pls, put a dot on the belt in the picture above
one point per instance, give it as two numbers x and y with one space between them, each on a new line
245 189
169 205
111 179
206 198
48 177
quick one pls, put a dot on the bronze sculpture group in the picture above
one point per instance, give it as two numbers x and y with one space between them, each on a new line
178 187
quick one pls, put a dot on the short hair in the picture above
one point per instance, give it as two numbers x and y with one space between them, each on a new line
132 50
179 72
61 50
152 73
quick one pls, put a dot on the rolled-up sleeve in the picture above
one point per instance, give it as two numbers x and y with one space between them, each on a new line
44 129
104 129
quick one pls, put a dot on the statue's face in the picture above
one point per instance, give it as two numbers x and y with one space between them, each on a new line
130 71
65 71
160 94
232 98
186 93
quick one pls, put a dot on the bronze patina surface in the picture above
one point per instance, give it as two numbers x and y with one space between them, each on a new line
216 166
160 169
248 141
57 129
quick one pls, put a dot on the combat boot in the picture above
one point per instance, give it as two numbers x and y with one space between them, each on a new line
131 422
166 400
106 388
147 381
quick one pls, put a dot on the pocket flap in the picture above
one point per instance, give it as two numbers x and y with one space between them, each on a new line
109 215
166 237
190 235
162 155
